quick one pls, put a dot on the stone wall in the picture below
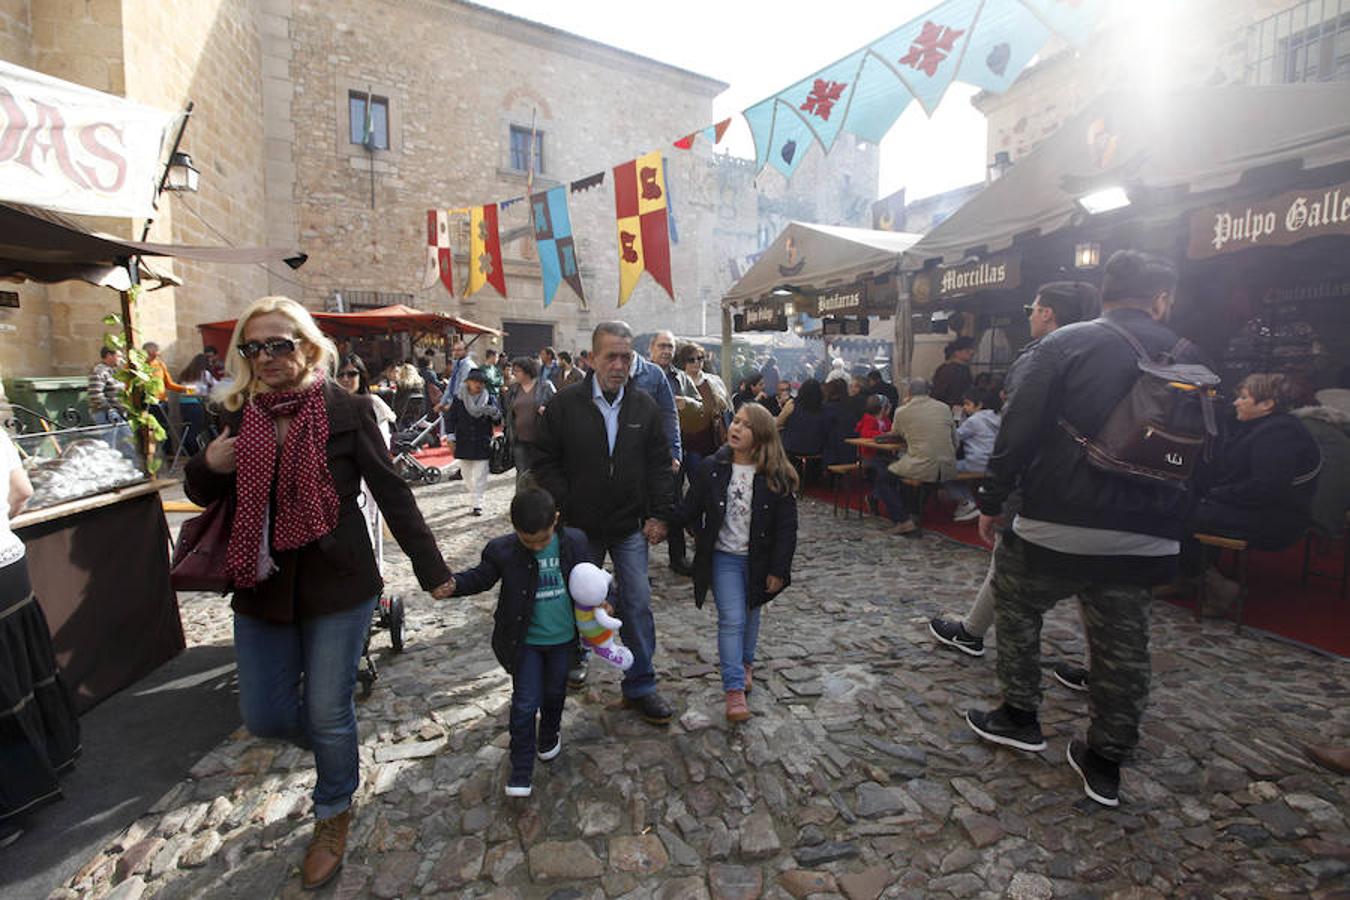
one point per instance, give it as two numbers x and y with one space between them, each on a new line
1185 44
213 59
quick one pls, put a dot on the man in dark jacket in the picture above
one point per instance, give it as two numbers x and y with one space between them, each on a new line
603 455
1081 530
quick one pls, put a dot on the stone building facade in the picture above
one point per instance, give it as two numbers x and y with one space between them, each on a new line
274 84
1200 42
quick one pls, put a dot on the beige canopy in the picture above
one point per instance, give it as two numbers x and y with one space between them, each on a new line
810 258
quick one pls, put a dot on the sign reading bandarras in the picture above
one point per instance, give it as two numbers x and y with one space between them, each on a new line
1277 222
994 273
68 148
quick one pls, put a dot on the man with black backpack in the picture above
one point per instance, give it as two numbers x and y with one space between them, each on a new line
1097 518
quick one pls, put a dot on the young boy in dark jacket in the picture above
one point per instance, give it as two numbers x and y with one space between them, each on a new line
535 630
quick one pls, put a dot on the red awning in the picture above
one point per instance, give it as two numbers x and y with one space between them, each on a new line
385 320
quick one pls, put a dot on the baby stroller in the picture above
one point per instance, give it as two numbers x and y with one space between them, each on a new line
408 441
389 613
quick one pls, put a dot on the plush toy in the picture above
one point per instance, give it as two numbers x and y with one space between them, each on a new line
589 586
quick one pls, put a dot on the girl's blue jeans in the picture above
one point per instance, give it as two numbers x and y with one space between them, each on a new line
737 624
296 683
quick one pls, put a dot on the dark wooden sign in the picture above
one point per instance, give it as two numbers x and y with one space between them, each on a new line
1275 222
994 273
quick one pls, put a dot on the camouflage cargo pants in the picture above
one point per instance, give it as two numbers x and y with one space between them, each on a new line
1117 618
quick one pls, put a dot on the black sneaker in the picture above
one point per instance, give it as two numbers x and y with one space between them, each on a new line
997 726
1101 777
576 676
518 786
652 707
954 634
1075 678
549 746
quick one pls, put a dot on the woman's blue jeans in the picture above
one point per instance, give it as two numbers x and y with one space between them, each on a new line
296 683
737 624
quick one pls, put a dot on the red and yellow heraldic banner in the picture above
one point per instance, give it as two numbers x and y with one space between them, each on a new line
644 235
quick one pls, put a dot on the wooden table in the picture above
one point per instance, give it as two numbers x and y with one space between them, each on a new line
874 444
100 570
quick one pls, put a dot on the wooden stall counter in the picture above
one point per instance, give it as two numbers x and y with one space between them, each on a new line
100 569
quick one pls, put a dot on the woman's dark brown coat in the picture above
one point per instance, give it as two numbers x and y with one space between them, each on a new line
338 571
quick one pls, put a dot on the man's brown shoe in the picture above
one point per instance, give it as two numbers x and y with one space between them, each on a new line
737 711
1337 759
323 859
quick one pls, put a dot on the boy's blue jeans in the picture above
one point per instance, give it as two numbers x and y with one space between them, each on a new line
296 682
737 624
538 686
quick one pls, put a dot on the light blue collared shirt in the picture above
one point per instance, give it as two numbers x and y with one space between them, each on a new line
608 411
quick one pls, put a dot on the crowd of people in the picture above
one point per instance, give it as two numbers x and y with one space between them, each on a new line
616 453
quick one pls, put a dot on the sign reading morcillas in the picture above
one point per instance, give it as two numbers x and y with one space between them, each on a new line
1275 222
993 273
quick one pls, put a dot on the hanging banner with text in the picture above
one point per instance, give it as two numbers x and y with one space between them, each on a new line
995 273
68 148
1277 222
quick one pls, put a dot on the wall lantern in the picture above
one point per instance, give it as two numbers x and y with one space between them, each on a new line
1087 255
789 309
1000 166
182 174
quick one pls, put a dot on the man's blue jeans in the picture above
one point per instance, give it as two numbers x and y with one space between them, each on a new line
538 685
633 606
737 624
296 682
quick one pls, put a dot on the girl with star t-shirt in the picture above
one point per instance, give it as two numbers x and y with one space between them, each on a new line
742 511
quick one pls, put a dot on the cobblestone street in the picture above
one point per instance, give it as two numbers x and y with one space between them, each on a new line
857 775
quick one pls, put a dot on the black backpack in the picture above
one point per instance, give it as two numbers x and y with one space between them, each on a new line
1162 427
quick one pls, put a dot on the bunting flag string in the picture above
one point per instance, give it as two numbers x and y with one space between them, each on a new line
643 232
983 43
485 250
590 181
553 236
440 263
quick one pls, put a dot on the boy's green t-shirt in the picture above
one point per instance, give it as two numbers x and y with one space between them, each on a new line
552 622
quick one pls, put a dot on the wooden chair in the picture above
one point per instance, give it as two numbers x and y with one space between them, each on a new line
1239 550
1345 557
842 478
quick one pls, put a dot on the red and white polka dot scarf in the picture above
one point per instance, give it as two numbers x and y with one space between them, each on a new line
307 504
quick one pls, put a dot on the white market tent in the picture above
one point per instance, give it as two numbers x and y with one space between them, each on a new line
809 258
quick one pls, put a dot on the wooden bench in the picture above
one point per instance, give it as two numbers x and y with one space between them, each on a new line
923 488
841 478
1238 547
1345 556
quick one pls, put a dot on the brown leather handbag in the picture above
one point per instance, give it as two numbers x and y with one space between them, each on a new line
199 556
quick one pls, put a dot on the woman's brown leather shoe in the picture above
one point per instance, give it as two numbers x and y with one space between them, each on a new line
326 848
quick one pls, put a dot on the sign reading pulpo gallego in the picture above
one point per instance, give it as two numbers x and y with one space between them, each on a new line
1277 222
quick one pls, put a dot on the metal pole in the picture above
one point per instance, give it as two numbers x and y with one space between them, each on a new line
727 375
164 176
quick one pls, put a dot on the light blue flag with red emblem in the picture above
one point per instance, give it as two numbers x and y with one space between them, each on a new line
553 237
985 43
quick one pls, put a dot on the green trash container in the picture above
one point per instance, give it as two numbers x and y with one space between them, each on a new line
59 398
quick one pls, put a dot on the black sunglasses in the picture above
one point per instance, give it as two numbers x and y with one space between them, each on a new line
1030 308
349 373
274 347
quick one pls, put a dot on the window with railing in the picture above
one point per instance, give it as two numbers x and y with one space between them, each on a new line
1309 41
